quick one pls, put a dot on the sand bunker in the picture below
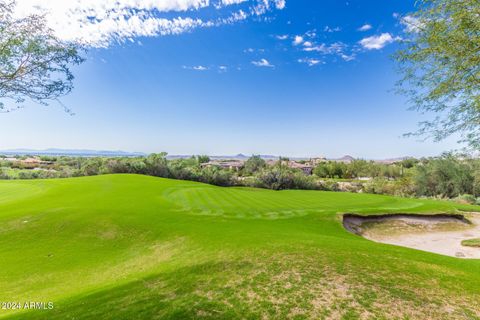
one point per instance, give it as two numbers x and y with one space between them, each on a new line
438 233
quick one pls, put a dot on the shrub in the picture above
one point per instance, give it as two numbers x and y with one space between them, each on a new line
280 178
466 199
216 176
446 177
27 174
157 165
379 186
254 164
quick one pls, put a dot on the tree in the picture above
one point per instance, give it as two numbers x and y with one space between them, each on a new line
440 64
278 178
357 168
157 165
447 176
338 169
321 170
254 163
203 159
34 63
216 176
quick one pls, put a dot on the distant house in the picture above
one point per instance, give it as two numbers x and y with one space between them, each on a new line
232 165
31 162
316 161
306 168
271 162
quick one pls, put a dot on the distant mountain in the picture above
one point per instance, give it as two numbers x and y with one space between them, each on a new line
393 160
346 159
119 153
72 152
239 156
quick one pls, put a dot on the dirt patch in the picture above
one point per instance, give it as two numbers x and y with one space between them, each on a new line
437 233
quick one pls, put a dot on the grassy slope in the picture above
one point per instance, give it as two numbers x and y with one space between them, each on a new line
471 242
136 247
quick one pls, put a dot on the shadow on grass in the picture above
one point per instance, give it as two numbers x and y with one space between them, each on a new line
181 294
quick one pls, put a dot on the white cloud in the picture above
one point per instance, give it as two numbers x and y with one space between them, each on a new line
365 27
282 37
338 49
308 44
310 61
377 42
311 33
280 4
329 29
347 57
230 2
99 23
297 40
263 63
252 50
411 23
334 48
265 5
196 68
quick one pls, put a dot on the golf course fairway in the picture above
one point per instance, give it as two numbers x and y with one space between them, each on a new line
139 247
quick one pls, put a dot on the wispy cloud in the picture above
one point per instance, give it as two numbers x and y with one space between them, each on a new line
336 47
347 57
365 27
196 68
252 50
330 29
411 23
311 33
280 4
376 42
230 2
99 23
310 61
308 42
263 63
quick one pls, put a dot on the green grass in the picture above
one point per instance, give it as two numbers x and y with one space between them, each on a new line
137 247
471 243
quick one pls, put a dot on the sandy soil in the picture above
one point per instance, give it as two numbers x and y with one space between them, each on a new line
434 233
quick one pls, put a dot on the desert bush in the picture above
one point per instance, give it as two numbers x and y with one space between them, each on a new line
254 164
466 199
446 176
280 178
157 165
216 176
380 185
28 174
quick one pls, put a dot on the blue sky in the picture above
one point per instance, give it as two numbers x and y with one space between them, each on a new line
294 78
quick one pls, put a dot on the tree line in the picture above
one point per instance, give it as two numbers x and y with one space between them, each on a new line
447 176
